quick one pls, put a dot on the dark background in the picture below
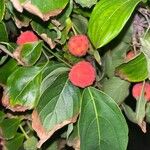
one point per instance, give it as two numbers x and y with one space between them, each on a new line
137 139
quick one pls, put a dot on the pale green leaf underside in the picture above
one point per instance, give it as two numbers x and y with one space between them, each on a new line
116 85
101 125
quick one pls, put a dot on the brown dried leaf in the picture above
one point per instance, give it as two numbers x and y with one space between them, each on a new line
121 75
34 10
74 143
48 40
17 108
17 56
17 5
143 126
42 133
20 23
51 14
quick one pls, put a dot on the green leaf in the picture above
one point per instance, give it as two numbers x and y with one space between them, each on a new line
15 143
2 9
3 32
29 53
148 112
86 3
111 63
116 85
3 59
129 113
102 125
6 70
140 110
65 31
134 70
9 127
2 116
48 35
23 87
108 19
66 13
80 23
30 144
44 9
58 104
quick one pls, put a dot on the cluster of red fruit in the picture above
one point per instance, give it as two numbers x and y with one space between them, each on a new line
137 88
81 74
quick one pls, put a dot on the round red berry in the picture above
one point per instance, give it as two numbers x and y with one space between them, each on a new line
82 74
78 45
130 55
26 37
137 88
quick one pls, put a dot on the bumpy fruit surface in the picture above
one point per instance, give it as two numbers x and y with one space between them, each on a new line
26 37
137 88
78 45
82 74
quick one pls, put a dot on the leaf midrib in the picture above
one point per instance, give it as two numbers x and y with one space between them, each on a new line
101 27
54 110
96 114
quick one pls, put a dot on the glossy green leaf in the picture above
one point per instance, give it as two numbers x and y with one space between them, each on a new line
116 85
9 127
6 70
30 53
58 104
102 125
86 3
108 19
23 87
2 9
30 144
15 143
3 32
134 70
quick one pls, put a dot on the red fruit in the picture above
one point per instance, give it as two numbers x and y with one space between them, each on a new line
137 88
130 55
78 45
82 74
26 37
